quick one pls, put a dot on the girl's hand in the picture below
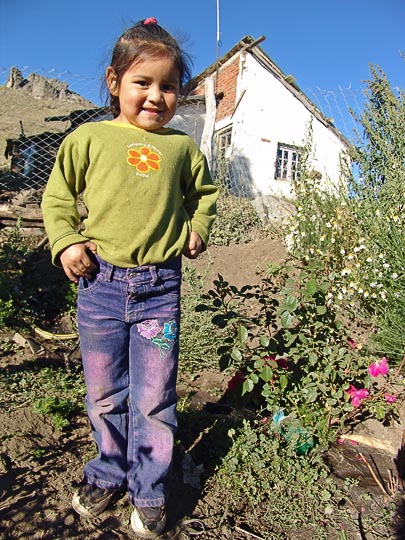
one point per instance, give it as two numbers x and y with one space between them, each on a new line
195 246
76 261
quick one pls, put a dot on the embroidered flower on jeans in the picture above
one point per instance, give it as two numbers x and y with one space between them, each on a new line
149 329
170 330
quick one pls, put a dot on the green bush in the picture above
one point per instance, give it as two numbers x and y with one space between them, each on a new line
356 229
13 299
292 355
198 341
236 221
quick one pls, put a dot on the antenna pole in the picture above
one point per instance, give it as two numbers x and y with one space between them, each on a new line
218 42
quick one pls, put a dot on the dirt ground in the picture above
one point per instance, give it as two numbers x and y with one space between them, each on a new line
36 487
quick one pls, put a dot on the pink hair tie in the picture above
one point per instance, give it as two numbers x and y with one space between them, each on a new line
150 20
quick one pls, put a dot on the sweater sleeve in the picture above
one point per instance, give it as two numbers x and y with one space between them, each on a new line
59 202
200 198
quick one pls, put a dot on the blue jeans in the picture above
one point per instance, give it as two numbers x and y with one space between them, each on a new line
129 339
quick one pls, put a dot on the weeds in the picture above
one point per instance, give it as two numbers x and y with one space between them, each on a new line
283 492
53 391
13 300
236 221
356 229
60 410
198 343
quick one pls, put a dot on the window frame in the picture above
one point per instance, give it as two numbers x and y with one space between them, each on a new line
223 141
287 162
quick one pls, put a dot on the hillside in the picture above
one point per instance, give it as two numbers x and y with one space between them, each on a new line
22 111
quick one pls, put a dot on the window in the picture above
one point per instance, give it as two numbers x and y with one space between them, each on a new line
287 162
224 140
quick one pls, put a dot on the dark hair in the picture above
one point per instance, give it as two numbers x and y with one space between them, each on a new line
146 39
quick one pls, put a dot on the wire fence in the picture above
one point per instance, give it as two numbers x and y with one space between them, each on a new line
52 103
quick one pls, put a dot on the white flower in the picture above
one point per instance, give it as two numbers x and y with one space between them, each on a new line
394 275
342 251
369 259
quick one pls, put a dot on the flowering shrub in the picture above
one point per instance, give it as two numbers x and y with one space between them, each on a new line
355 230
294 354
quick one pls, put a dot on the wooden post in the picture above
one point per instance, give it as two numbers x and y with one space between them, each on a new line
209 124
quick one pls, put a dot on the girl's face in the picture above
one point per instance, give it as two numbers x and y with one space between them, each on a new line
147 93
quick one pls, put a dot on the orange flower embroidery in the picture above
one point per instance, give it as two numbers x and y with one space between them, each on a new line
144 159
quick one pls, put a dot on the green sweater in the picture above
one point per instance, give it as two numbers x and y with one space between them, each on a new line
144 192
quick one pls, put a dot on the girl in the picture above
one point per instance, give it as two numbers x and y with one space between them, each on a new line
150 199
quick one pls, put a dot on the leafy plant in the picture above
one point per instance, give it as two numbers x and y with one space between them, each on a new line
236 221
12 258
283 492
290 352
356 229
198 343
60 410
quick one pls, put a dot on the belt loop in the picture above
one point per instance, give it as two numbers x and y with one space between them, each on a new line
109 271
153 273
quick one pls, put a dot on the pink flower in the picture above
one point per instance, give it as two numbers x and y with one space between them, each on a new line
380 367
389 398
357 395
350 441
238 379
352 343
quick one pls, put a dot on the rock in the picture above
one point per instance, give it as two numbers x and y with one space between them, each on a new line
20 340
346 462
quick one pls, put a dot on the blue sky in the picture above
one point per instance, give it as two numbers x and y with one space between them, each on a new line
324 44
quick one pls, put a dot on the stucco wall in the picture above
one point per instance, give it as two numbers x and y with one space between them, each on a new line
268 114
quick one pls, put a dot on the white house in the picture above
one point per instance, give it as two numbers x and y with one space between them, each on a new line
257 118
